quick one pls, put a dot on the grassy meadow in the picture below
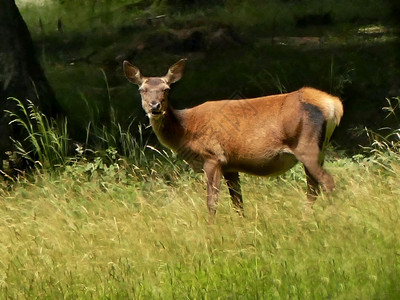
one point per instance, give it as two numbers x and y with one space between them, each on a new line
118 234
105 213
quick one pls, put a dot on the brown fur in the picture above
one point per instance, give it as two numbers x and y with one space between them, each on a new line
261 136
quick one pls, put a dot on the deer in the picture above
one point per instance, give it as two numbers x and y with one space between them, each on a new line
264 136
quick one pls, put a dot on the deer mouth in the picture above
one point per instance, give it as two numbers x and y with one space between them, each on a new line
156 112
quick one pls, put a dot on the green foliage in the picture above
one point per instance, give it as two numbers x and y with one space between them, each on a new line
339 78
393 109
385 144
46 142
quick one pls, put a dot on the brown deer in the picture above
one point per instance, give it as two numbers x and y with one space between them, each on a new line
261 136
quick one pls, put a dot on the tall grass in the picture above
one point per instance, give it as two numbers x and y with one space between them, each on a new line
385 143
131 143
113 236
46 142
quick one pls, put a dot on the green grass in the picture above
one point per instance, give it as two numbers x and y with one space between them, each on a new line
111 235
46 140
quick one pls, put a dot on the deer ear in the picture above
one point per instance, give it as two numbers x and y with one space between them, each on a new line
132 73
175 72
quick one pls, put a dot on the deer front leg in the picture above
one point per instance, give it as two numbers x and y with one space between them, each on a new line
213 173
233 183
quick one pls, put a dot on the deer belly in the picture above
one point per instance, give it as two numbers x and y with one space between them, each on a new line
264 166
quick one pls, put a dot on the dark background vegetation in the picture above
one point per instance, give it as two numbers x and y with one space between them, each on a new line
235 49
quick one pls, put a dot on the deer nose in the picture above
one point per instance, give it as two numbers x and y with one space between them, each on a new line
155 105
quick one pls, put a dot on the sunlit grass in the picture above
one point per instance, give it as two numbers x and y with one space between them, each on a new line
113 236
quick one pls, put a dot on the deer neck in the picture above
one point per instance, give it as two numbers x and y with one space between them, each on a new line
169 128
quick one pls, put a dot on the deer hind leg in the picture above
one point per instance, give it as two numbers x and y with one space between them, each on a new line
312 187
312 160
233 183
213 173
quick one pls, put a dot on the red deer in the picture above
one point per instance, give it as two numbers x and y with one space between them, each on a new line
261 136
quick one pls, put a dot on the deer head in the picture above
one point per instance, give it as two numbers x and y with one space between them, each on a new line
154 90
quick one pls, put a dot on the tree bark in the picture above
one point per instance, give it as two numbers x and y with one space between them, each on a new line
21 75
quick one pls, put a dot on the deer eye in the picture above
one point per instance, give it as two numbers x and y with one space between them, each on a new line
142 90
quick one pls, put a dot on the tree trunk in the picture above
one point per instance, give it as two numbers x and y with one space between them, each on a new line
21 75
